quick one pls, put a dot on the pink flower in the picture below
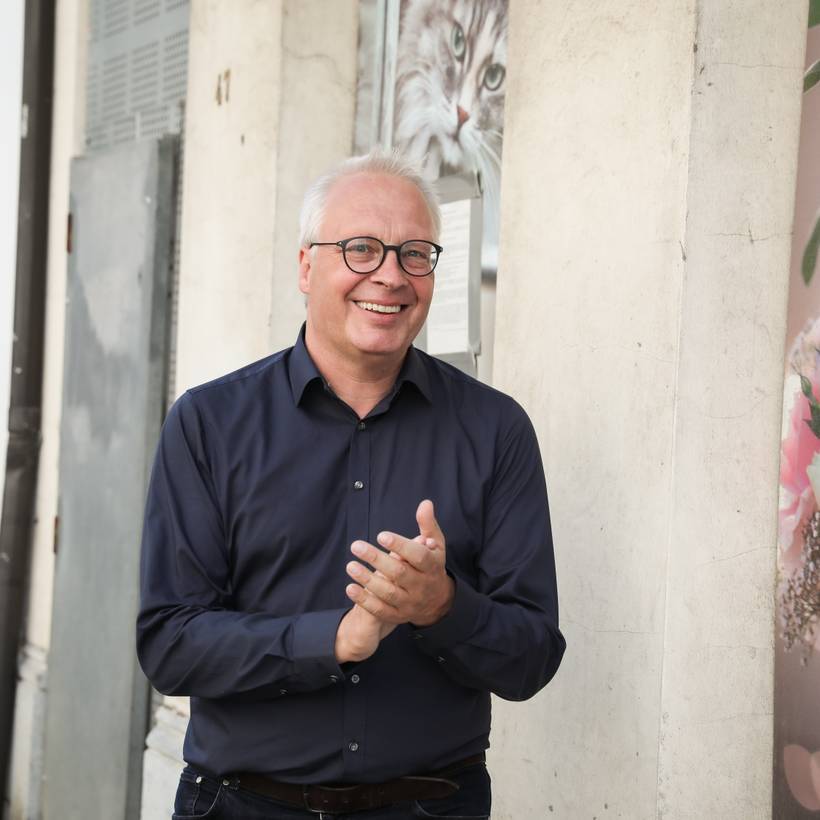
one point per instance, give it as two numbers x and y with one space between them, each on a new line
797 451
799 447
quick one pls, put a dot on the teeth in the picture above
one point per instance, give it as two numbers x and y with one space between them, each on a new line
379 308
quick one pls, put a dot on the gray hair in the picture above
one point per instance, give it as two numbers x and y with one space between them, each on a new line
377 161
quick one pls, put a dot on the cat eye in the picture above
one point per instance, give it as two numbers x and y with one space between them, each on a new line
457 42
365 254
494 76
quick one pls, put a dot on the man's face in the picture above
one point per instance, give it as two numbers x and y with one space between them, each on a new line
339 321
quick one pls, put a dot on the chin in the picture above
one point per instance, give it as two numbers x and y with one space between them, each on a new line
381 343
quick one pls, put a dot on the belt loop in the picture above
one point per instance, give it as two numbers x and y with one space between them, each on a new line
306 800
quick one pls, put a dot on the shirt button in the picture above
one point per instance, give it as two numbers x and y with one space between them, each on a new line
358 485
283 691
354 678
361 425
334 679
440 659
353 746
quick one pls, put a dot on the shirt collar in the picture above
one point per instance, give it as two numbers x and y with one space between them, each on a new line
302 371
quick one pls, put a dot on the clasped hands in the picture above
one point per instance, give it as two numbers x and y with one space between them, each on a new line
408 584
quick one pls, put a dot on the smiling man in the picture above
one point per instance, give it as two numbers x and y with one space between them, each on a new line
347 545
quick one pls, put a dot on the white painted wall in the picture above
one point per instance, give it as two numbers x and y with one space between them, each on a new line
11 68
67 141
649 164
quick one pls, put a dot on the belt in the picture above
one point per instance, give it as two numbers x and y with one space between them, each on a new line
350 797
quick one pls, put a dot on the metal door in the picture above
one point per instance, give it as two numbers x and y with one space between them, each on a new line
121 234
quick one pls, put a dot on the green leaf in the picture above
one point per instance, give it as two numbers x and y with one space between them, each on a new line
814 12
814 426
805 386
811 77
810 252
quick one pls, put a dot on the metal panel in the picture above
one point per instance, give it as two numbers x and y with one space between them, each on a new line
113 398
137 69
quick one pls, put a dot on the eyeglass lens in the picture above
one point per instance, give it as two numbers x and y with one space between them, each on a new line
364 254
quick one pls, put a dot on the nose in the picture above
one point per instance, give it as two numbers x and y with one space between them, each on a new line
390 272
462 115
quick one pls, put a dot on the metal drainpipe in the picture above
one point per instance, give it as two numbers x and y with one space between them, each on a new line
17 521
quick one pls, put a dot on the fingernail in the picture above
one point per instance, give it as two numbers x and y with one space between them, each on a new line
358 548
385 539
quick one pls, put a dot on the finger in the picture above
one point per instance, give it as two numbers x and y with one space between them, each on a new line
404 559
377 584
412 550
372 604
390 567
426 519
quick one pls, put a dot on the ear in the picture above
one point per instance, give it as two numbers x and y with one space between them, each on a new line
304 270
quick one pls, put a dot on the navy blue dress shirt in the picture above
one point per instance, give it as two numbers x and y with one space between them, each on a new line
262 480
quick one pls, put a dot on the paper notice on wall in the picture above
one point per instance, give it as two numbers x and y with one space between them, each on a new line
448 322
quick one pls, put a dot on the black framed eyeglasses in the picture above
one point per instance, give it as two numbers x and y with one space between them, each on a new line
365 254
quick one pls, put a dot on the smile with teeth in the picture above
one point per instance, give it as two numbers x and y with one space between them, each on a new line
379 308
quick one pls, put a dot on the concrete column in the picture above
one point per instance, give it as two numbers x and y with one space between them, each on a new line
271 98
648 182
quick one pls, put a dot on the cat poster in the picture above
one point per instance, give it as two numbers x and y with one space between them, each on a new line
451 67
432 83
796 786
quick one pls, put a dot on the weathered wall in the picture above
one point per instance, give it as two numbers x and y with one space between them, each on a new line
661 141
287 116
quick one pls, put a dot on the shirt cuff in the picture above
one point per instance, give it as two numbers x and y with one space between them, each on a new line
314 648
457 625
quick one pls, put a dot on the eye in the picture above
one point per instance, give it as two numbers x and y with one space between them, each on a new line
418 257
457 42
362 245
494 76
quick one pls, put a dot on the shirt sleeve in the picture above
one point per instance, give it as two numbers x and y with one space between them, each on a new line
189 639
502 633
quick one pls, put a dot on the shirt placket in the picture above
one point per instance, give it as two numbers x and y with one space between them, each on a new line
354 747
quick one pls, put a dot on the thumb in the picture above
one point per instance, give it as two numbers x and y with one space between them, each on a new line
426 518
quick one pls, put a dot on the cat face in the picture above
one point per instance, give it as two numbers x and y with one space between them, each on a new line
450 84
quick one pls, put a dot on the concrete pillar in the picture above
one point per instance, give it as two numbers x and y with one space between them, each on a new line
271 98
648 182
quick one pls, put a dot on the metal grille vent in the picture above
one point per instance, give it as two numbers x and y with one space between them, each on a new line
137 70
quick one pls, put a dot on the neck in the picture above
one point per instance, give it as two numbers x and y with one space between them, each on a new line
361 383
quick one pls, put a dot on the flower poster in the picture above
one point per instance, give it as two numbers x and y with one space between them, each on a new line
796 792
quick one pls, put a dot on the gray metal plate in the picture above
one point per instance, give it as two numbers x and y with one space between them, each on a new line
113 401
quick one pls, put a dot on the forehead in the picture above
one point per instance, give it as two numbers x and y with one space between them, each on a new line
377 204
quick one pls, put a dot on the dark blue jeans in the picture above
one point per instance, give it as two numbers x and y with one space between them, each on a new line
199 797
